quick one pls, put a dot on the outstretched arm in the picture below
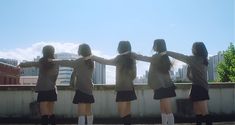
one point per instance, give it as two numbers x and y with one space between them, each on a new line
103 60
64 63
178 56
138 56
29 64
141 57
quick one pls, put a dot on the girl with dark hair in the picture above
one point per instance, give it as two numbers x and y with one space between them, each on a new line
82 80
125 74
197 73
159 80
46 84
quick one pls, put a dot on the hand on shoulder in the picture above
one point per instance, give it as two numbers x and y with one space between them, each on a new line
125 53
51 60
88 57
163 53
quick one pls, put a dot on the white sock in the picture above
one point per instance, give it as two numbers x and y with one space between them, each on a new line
81 120
164 119
171 119
89 120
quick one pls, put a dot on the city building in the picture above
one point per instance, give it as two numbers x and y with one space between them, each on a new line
212 67
184 73
181 74
65 72
29 75
99 74
13 62
30 71
172 75
142 79
9 74
28 80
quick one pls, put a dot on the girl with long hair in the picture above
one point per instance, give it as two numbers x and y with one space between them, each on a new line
125 74
159 79
197 73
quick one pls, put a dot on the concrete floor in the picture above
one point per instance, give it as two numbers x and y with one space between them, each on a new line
216 123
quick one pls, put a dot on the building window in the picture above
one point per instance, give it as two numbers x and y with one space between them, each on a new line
9 81
5 80
14 81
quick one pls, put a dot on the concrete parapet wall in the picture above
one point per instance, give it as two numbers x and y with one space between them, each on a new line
15 101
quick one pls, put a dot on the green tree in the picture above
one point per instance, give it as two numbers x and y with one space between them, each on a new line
226 68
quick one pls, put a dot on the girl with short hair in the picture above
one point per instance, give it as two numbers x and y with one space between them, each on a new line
46 84
82 82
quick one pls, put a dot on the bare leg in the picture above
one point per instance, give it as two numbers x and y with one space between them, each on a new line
166 111
201 111
124 108
165 105
50 108
200 107
89 114
81 109
44 113
88 109
44 108
51 115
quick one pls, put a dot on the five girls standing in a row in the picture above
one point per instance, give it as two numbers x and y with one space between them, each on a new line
158 79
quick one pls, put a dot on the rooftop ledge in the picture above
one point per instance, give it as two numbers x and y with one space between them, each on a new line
112 86
20 102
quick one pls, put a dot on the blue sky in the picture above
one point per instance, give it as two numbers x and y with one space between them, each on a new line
103 23
26 25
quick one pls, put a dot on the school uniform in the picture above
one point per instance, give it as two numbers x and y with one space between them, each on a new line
46 83
82 80
197 73
160 82
124 79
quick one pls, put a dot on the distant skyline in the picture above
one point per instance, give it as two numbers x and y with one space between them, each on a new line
27 25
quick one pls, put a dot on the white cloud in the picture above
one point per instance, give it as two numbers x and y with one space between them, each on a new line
35 50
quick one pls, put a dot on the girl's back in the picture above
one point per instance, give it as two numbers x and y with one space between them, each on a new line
125 74
156 77
83 73
197 71
48 73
